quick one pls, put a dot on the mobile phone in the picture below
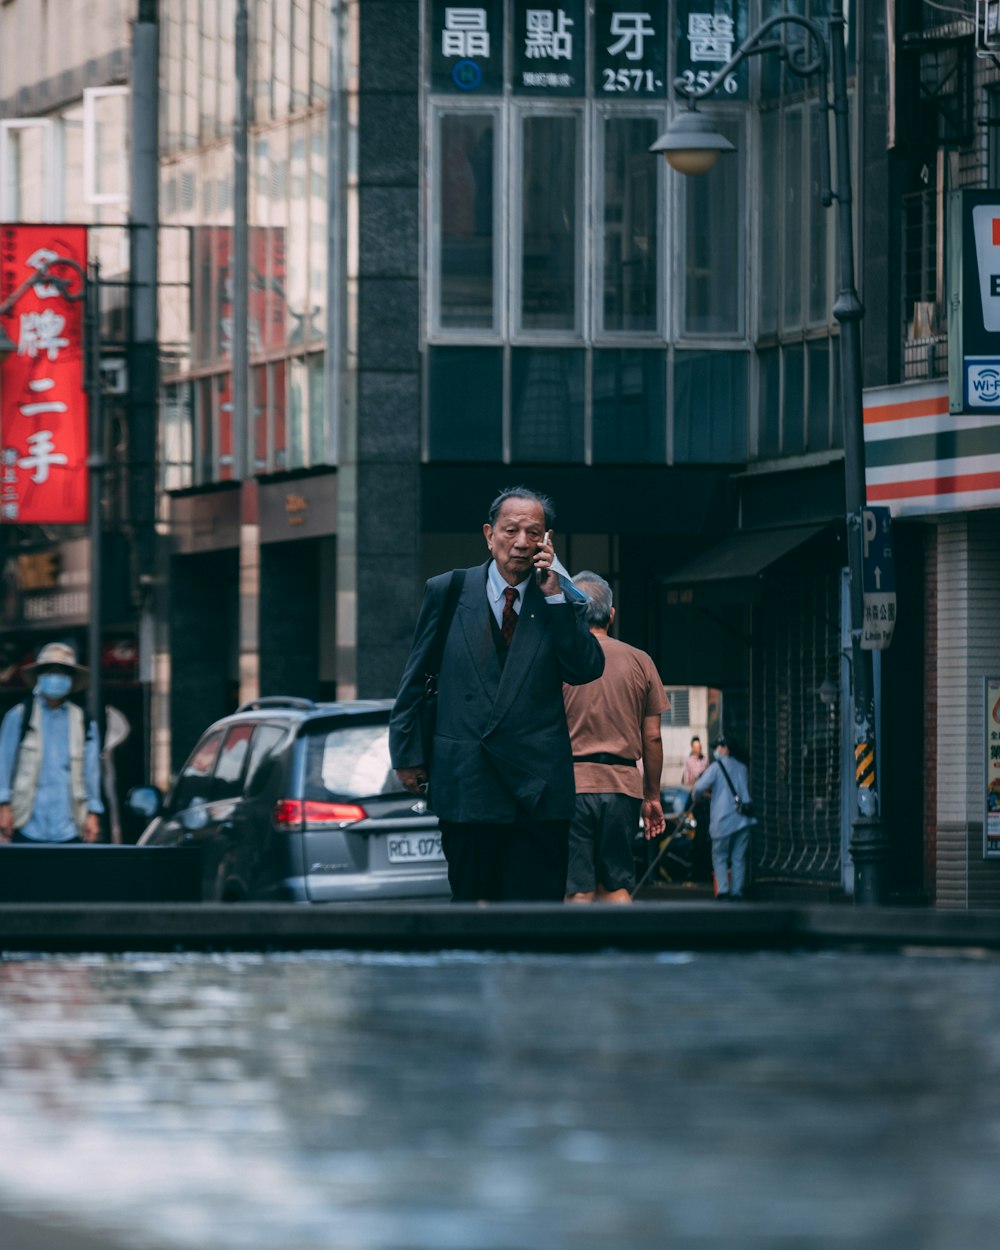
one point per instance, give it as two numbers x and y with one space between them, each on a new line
541 574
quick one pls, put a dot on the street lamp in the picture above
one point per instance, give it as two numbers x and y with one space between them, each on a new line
50 271
690 146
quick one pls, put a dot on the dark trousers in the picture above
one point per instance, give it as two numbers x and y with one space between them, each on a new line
523 862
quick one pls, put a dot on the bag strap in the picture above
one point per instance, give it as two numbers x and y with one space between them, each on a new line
729 780
436 653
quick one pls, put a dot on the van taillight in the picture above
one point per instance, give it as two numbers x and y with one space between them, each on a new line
292 814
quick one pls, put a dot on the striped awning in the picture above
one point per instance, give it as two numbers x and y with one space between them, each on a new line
920 458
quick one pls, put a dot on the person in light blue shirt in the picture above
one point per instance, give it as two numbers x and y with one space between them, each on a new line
727 778
50 789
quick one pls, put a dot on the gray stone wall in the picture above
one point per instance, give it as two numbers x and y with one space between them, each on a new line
388 391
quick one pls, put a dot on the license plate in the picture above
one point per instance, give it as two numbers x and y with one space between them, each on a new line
414 848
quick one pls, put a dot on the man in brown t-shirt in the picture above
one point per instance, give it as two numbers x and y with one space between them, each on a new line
614 723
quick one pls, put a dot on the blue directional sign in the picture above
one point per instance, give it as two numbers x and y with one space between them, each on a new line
878 578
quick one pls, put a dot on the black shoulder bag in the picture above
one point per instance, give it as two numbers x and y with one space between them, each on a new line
744 807
428 704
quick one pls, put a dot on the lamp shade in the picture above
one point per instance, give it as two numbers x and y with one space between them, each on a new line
690 145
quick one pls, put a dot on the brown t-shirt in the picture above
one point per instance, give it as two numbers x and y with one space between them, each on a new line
606 716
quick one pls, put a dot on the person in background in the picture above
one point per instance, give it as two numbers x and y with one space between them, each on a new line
729 827
694 765
50 787
614 724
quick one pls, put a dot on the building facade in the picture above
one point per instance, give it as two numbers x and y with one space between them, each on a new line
411 253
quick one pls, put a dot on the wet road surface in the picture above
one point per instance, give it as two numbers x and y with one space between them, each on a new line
487 1102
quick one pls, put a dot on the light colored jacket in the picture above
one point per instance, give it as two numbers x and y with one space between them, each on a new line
724 818
24 785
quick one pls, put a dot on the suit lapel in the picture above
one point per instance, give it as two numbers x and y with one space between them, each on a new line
523 649
472 612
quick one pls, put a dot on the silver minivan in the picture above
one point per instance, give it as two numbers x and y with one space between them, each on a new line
291 800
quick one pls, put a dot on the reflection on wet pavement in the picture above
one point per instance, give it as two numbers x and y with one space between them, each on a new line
489 1102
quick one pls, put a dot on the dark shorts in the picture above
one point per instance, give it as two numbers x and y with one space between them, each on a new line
601 835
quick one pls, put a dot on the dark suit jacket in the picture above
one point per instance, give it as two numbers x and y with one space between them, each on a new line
501 741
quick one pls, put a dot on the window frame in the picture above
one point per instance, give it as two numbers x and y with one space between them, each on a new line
52 199
675 283
436 333
521 110
91 95
604 111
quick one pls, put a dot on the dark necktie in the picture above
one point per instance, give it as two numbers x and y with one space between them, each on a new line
509 619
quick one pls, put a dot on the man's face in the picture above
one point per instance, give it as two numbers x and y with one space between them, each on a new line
513 540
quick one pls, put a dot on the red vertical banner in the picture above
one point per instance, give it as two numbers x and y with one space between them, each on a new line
43 401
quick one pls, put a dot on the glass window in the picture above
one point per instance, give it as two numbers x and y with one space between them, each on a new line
298 414
224 417
714 242
629 406
318 440
258 382
465 403
350 762
195 780
792 240
105 137
819 228
300 54
203 416
28 174
229 765
466 246
769 278
710 407
549 198
265 740
277 372
175 436
630 235
818 429
319 66
793 432
316 328
227 68
769 403
547 404
281 86
208 98
297 240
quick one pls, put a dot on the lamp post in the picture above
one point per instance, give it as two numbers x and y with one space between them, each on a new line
690 146
79 287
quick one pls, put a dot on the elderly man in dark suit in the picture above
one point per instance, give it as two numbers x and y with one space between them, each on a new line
501 778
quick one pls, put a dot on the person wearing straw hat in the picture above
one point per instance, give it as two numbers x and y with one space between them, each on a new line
50 789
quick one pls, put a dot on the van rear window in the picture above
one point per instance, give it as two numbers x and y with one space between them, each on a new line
351 761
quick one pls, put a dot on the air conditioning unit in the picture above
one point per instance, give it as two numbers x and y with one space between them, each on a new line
114 376
987 27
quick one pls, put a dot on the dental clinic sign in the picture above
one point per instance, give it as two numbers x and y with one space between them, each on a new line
974 306
43 404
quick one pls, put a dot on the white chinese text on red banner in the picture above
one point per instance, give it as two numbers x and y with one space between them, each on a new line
43 402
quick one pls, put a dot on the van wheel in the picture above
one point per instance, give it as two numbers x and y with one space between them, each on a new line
232 893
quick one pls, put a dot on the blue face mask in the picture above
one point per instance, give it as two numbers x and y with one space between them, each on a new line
54 685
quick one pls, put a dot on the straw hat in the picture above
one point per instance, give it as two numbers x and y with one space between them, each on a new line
57 655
